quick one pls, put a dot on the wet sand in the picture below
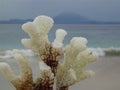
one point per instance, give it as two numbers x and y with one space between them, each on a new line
107 75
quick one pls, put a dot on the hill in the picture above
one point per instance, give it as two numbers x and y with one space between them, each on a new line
69 18
74 18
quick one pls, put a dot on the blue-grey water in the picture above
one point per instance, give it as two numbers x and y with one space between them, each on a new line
103 36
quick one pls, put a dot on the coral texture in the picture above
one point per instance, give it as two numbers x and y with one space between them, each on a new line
59 67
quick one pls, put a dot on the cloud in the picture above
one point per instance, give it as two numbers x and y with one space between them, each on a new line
93 9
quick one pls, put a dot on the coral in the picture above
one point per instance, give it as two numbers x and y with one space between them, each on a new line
59 67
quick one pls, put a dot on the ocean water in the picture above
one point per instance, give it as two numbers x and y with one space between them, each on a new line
98 36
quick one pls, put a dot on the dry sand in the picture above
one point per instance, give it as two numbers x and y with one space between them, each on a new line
107 76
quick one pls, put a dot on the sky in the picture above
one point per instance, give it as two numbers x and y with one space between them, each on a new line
102 10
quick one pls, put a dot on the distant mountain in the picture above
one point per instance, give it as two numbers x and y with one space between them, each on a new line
69 18
74 18
63 18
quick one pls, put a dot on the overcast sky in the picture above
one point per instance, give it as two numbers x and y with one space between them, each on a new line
104 10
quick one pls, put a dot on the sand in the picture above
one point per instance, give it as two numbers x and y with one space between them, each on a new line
107 76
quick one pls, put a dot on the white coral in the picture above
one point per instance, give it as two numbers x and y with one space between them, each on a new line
52 70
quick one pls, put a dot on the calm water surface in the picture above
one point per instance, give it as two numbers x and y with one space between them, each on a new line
98 35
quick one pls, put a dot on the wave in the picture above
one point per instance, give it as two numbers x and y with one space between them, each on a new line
101 52
112 51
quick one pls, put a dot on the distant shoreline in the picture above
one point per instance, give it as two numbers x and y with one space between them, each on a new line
89 24
81 26
20 21
112 23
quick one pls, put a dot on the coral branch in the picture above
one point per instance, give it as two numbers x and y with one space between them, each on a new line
25 80
37 31
77 56
7 71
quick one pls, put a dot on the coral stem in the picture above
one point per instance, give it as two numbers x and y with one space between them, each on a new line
63 88
49 56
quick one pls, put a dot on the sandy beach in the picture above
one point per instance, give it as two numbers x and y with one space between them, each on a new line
107 75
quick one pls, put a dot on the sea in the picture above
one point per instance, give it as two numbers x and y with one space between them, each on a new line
104 39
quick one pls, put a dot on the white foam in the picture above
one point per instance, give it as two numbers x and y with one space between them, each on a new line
111 51
9 53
